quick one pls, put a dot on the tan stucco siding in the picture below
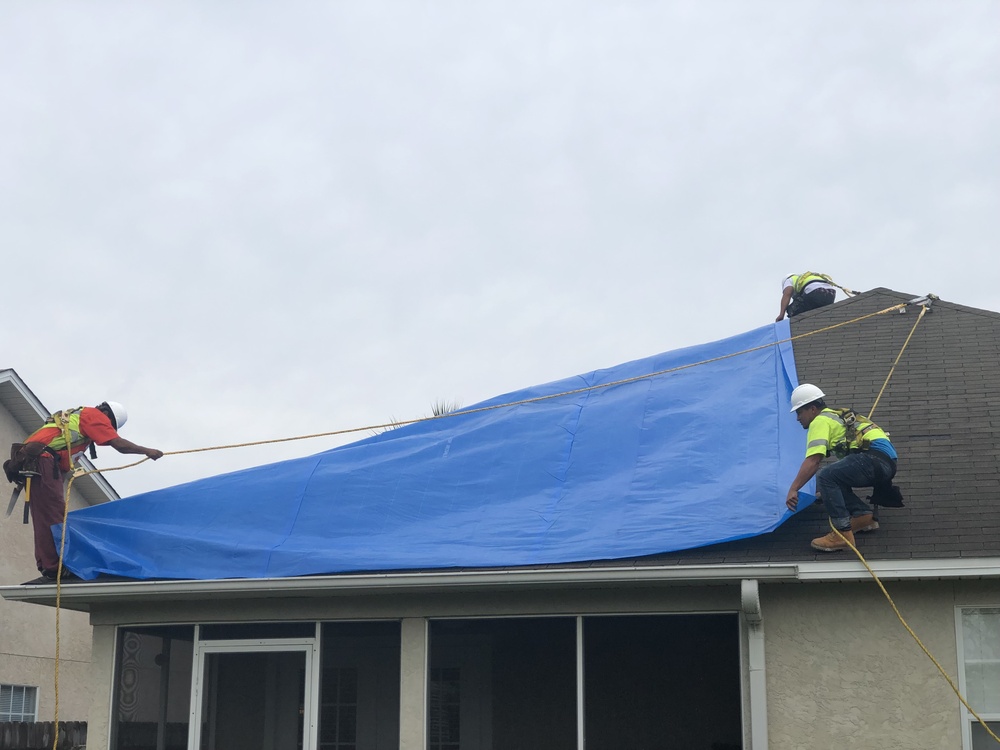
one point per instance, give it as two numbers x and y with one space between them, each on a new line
27 631
843 672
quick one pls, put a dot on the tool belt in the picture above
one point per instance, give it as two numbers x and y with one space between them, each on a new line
19 469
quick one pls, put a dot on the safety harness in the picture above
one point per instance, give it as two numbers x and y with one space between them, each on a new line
857 440
804 279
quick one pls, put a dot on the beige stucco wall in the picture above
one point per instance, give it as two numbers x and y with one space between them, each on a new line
27 631
843 672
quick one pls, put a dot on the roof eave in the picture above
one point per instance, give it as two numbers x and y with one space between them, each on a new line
81 596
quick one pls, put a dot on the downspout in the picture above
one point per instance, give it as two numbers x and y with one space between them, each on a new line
750 600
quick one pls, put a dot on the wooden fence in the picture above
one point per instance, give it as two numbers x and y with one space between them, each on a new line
38 735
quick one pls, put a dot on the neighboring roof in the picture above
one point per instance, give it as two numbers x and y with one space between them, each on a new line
30 414
643 457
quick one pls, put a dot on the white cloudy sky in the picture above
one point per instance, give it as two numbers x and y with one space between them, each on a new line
250 220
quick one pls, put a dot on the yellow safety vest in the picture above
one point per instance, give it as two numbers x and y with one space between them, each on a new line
800 281
849 432
77 438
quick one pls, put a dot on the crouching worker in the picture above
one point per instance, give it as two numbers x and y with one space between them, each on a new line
866 459
52 459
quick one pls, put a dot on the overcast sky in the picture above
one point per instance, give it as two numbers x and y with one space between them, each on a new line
251 220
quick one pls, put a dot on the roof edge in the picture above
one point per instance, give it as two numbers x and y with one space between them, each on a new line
935 301
80 595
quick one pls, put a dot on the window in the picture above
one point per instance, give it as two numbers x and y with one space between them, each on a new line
979 652
445 703
630 681
18 703
152 703
359 686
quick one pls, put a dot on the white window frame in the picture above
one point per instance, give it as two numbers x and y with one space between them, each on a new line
24 692
308 646
967 718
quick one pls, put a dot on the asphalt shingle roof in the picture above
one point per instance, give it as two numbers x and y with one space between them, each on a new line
940 408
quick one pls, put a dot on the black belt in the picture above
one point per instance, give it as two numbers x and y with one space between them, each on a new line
885 458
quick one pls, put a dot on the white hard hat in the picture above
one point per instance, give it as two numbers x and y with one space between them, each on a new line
119 412
805 394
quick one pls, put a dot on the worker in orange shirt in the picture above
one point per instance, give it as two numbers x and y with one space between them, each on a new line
51 459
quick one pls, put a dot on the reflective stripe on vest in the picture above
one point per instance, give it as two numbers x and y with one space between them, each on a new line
800 282
77 439
856 429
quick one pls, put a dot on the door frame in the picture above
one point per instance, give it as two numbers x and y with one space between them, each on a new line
307 646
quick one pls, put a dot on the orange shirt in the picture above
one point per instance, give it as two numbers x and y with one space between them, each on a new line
94 425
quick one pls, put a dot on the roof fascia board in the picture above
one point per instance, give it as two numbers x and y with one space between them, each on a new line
11 377
81 595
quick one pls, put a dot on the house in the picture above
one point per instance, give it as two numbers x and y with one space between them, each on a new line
758 642
28 645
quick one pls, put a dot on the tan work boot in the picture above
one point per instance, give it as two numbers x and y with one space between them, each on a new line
865 523
832 542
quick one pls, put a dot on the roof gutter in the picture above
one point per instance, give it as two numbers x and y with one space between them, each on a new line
79 595
82 593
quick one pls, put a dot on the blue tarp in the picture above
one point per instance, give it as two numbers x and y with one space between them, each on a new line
687 458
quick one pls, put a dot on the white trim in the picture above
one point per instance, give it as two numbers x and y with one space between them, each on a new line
307 646
967 718
851 569
756 675
80 595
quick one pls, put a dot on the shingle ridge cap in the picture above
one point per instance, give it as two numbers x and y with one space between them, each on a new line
903 296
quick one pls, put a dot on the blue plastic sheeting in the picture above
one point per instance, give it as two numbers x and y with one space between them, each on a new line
688 458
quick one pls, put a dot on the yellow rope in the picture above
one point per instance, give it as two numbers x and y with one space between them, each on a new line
63 424
951 683
909 630
923 311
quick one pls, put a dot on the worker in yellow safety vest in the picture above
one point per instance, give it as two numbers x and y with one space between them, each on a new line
866 459
47 458
805 291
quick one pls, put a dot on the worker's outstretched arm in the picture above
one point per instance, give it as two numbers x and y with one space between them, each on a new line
807 471
122 445
786 298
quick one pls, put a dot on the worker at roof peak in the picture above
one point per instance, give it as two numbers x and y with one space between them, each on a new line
867 459
46 451
805 291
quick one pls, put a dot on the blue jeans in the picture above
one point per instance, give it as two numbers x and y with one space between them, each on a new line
837 481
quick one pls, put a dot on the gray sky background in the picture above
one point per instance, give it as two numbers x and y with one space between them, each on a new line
256 220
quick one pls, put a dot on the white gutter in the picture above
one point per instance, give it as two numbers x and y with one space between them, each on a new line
851 569
395 582
844 569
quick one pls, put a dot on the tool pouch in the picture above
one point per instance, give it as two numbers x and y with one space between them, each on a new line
13 465
886 495
19 467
